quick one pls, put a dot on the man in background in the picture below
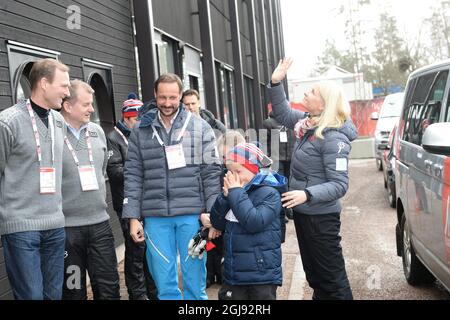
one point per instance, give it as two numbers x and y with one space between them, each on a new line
191 99
139 283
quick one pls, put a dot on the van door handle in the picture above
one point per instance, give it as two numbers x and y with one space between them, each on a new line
428 164
438 170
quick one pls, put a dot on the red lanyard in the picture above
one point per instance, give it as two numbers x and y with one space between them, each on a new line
88 142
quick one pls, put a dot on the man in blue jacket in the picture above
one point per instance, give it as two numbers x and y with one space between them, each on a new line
249 212
172 176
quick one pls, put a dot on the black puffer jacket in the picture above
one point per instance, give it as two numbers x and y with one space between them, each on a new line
274 127
208 116
117 154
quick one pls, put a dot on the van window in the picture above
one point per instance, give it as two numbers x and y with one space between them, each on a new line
409 91
423 88
418 116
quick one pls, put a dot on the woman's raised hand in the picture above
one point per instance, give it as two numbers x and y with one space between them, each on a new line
281 70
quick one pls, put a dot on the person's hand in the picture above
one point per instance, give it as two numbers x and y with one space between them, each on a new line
293 198
225 187
136 231
213 233
206 220
281 70
233 180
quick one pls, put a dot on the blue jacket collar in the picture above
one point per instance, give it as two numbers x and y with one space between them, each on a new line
267 177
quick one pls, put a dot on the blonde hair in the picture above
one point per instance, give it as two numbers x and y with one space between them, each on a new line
75 85
337 108
229 140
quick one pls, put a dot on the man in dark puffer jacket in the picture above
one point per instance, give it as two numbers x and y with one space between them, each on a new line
172 176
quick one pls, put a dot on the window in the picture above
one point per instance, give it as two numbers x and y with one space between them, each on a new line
250 114
422 88
425 107
225 85
193 82
21 58
168 55
165 58
23 86
99 76
192 71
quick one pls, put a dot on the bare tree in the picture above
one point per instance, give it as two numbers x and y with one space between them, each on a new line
440 30
355 32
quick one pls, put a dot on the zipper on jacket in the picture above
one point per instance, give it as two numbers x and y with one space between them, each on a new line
167 183
167 175
167 167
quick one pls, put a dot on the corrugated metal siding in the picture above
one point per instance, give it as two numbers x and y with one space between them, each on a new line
105 35
221 30
180 22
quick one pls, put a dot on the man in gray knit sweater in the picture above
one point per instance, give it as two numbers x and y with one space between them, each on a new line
31 217
89 239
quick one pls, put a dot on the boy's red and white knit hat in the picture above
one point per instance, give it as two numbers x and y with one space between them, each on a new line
249 156
130 107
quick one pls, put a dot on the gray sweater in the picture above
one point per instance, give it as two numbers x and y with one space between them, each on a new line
89 207
22 207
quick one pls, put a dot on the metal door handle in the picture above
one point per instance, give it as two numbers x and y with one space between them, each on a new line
428 164
438 170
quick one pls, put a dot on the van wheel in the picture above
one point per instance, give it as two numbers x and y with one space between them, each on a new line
379 164
391 195
415 272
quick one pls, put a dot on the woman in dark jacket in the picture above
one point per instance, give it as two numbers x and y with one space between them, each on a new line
319 178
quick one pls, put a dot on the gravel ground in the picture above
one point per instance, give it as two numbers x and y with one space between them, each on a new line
368 240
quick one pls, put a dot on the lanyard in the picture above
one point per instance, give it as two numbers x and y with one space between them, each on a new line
183 130
123 136
36 132
88 142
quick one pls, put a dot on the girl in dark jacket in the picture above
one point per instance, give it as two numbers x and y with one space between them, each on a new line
248 211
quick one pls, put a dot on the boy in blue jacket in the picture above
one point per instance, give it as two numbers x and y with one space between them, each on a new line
248 211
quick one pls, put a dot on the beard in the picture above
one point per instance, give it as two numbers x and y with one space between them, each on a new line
168 111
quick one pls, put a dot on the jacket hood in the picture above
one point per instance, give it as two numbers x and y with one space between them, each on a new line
147 107
267 177
148 118
123 127
348 129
